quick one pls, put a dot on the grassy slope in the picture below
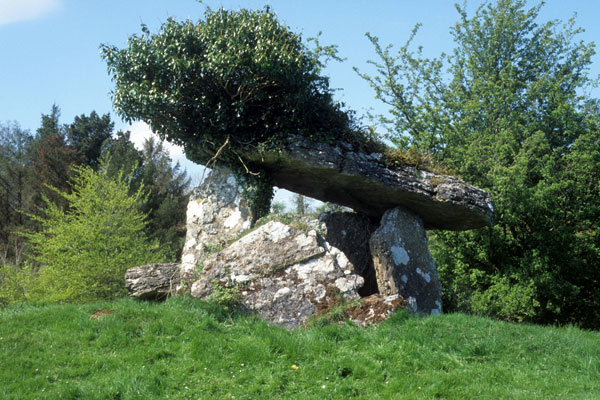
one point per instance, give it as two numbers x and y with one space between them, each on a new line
186 349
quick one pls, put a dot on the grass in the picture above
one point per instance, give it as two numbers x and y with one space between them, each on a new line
187 349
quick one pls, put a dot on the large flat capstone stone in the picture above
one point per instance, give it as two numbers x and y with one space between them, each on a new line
338 174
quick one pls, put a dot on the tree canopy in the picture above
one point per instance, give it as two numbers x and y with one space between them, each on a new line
85 251
509 109
239 78
237 81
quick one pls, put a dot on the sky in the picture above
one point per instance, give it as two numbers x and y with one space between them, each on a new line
49 49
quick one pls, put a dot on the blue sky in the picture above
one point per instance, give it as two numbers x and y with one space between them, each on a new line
49 48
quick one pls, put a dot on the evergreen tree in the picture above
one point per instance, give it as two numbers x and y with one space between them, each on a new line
124 156
15 188
52 158
168 188
87 135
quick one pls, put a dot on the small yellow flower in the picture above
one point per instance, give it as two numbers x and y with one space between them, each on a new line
294 367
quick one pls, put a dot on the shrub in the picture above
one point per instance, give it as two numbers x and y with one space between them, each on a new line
236 81
85 251
17 283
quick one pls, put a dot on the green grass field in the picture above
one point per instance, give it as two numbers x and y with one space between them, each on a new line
187 349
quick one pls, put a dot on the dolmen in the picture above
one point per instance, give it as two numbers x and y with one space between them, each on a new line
373 260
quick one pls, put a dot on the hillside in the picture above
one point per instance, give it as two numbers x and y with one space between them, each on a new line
187 349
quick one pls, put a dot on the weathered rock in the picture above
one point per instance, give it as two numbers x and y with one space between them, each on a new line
281 273
152 281
374 309
403 264
339 174
350 232
216 213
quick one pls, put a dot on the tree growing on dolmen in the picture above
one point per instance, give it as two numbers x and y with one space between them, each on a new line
237 81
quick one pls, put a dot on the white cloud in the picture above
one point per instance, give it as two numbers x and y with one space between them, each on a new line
140 131
23 10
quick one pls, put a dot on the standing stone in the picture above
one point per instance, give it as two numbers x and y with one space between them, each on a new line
403 264
216 213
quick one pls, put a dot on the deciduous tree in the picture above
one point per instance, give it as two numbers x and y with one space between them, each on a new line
510 111
84 251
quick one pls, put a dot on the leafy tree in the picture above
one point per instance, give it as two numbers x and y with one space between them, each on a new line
85 251
277 207
509 111
237 81
302 204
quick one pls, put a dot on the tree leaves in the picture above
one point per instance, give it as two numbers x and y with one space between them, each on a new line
85 251
509 115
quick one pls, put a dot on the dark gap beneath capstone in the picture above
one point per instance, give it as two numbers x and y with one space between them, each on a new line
350 233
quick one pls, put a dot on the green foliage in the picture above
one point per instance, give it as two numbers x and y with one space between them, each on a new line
302 204
330 207
414 157
87 135
277 207
28 163
188 349
226 295
505 299
257 188
509 111
16 283
236 74
85 251
167 198
124 157
51 158
237 81
16 191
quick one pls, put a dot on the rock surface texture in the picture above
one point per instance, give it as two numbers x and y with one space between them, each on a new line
216 213
280 272
289 273
152 281
339 174
403 264
350 232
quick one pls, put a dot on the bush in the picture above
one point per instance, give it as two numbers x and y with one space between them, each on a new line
85 251
238 79
17 283
235 82
511 111
511 301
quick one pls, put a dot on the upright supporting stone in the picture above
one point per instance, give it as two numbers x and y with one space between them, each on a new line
216 213
403 264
